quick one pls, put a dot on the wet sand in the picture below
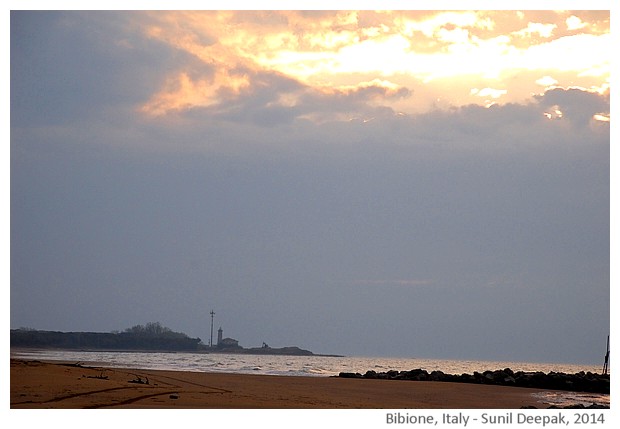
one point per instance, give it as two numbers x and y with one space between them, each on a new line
36 384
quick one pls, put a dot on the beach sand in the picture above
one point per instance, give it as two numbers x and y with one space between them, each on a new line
36 384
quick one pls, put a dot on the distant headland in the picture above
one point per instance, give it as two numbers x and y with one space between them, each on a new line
150 337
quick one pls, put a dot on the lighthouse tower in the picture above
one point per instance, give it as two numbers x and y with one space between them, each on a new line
219 336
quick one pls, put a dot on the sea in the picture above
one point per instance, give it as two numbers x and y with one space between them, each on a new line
311 366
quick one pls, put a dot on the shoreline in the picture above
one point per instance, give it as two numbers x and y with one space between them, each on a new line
255 351
38 384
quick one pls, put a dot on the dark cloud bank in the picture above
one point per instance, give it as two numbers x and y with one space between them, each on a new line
305 241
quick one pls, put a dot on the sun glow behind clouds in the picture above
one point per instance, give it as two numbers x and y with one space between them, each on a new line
423 52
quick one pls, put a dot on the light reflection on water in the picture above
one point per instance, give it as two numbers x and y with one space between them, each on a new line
563 399
285 365
314 366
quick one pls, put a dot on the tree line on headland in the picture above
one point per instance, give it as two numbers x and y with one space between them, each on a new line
152 336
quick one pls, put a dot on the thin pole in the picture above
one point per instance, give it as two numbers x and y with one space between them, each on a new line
606 364
211 340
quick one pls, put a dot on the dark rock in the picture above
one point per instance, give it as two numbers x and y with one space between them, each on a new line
437 376
350 375
466 378
392 374
509 381
370 374
416 375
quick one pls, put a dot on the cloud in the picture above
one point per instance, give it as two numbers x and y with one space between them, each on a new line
347 49
574 23
543 30
278 114
488 92
546 81
269 98
109 68
379 201
577 105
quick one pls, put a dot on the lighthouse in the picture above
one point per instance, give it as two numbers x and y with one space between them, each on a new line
219 336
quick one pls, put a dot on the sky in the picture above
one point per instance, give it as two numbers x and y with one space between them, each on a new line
431 184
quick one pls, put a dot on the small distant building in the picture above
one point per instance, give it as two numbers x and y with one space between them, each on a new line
225 343
228 343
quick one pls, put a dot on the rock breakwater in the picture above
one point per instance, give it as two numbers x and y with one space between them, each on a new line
578 382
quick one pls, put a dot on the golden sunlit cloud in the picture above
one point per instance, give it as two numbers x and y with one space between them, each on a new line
603 117
546 81
554 113
574 23
543 30
488 92
183 92
436 55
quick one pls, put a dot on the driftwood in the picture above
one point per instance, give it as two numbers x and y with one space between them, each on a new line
139 380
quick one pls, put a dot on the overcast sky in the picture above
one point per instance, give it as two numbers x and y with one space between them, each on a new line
408 184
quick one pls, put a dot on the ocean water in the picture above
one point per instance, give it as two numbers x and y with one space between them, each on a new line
311 366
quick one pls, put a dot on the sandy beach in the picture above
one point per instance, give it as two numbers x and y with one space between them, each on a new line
36 384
